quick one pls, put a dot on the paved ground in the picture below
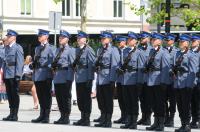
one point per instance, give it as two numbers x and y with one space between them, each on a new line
26 114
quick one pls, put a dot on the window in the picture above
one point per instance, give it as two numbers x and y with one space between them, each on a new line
117 10
78 7
26 7
66 7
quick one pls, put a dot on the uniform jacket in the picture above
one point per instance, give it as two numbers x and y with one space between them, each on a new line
65 61
144 54
154 77
44 72
169 53
85 68
182 80
14 61
130 77
111 59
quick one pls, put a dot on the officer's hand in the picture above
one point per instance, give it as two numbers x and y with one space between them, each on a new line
17 78
119 71
171 73
112 84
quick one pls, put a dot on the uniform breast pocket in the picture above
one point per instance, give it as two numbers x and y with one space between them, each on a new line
133 61
106 60
10 58
157 60
63 59
83 60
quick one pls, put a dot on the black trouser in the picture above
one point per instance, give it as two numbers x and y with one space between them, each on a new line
145 101
131 96
12 88
195 103
105 98
83 92
158 95
183 98
120 98
63 96
43 89
170 100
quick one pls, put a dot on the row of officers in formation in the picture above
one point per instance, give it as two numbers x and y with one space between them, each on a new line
160 77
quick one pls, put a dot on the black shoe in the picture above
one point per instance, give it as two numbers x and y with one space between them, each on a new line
128 123
147 120
134 123
195 125
107 123
140 122
185 128
14 117
65 119
169 122
79 122
86 120
46 116
154 126
9 116
60 120
98 119
102 121
40 118
119 121
160 126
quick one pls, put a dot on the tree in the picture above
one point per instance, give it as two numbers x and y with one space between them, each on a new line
191 15
83 10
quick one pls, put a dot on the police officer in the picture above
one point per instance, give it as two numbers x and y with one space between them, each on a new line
42 76
154 68
121 41
63 76
180 73
195 103
13 65
145 48
84 76
106 63
129 70
170 51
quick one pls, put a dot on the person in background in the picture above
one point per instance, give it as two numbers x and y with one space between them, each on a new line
27 76
3 96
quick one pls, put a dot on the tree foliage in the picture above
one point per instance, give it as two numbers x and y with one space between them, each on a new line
57 1
191 16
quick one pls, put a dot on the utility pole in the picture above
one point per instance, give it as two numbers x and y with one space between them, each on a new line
167 18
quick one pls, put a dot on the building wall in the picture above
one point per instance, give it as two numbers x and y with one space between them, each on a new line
99 14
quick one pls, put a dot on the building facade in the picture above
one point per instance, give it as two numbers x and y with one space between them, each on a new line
26 16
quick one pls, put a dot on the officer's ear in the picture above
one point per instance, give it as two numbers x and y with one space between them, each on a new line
87 41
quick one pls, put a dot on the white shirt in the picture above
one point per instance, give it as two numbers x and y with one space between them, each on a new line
12 44
26 69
